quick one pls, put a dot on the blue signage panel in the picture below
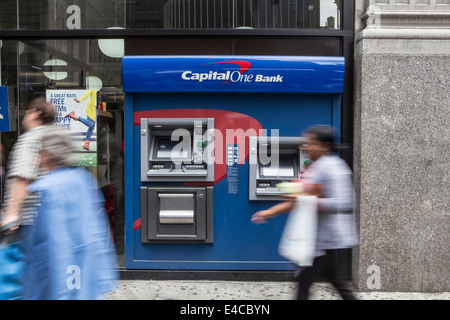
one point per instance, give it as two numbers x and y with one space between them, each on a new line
6 110
233 74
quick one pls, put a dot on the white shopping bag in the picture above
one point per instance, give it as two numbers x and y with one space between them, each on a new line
298 240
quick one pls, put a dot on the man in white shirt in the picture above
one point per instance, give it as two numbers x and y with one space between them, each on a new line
23 168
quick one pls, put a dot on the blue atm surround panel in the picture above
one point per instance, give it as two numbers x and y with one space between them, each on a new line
238 244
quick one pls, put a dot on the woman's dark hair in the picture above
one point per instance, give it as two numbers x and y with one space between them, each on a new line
324 134
327 134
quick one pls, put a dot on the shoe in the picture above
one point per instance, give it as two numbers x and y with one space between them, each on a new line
72 115
86 145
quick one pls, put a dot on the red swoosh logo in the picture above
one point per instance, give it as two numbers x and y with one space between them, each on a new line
244 66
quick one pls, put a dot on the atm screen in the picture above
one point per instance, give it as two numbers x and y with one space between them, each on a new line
163 149
285 168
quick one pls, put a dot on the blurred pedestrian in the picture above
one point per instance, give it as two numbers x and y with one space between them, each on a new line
69 254
330 179
23 168
2 171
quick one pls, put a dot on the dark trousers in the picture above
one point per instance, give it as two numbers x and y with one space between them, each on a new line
333 267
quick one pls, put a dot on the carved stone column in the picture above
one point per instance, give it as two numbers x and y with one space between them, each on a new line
402 145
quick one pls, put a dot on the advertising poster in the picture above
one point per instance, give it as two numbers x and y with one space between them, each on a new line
76 112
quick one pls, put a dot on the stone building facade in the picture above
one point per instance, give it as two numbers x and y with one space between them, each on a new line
402 144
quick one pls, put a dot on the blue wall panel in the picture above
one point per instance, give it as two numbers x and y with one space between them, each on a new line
238 244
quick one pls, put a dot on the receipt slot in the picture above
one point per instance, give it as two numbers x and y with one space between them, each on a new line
274 160
177 149
176 214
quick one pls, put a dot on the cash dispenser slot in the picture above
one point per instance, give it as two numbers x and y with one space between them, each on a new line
176 208
176 214
273 161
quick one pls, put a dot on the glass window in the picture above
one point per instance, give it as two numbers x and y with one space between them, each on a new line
70 14
233 14
8 14
284 168
8 77
170 14
36 68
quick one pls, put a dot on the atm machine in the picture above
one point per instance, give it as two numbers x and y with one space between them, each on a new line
207 141
176 150
164 157
268 169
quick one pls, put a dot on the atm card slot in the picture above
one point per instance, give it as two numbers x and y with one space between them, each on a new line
176 173
269 191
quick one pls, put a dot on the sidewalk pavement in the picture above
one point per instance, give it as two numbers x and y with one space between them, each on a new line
237 290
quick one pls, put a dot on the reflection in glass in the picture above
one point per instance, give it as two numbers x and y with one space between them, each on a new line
69 14
8 15
284 167
165 149
33 67
114 48
54 64
234 14
170 14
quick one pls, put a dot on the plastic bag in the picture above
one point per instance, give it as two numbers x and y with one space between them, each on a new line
12 264
298 240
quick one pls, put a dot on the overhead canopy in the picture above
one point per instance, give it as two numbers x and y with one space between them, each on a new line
284 74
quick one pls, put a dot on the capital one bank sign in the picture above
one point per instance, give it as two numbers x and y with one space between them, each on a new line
177 73
240 75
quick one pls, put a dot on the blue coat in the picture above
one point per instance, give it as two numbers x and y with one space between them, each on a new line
69 254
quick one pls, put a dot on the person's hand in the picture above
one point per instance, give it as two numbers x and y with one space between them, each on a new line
9 223
313 190
261 216
76 100
291 196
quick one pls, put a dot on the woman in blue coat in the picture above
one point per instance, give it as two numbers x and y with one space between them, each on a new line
70 255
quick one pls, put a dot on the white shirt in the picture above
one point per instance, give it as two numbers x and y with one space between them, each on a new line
24 163
336 223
